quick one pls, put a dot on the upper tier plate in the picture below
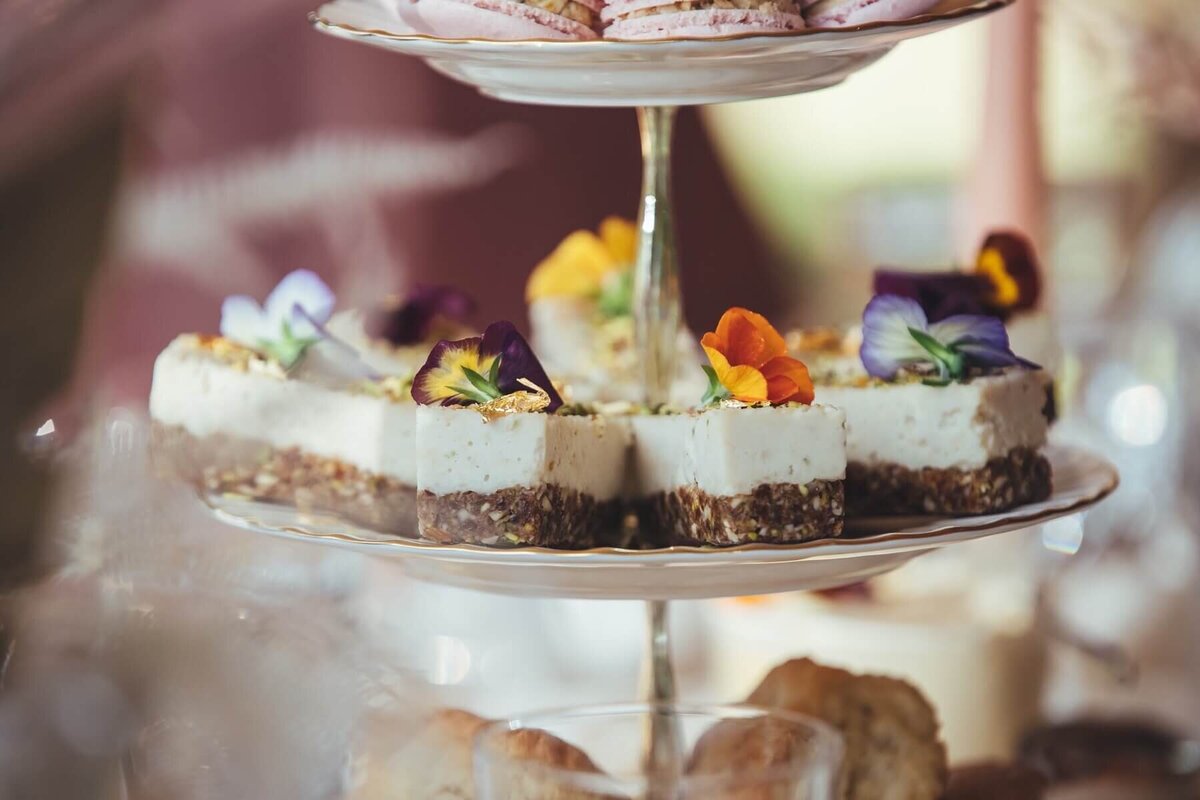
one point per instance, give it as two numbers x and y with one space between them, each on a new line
651 73
873 546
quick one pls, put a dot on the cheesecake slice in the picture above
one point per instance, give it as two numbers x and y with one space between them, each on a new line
232 420
732 475
971 447
525 478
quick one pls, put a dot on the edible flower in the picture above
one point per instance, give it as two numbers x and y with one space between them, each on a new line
1006 278
749 363
592 267
940 294
897 334
414 320
485 370
1008 262
287 324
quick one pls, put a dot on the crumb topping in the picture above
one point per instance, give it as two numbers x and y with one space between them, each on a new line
395 388
237 356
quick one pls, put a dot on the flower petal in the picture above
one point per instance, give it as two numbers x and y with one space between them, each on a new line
517 361
243 321
887 344
745 383
1008 262
575 268
300 288
620 236
748 338
788 381
438 380
940 294
720 363
982 340
970 328
413 321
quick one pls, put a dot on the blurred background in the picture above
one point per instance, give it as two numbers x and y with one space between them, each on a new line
158 156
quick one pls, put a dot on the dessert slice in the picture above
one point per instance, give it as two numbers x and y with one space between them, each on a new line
581 315
497 465
268 410
759 463
942 419
740 474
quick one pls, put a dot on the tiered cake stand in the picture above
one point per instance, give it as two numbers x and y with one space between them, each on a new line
656 77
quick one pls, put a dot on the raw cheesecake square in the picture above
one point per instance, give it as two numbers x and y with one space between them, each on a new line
537 479
230 421
737 475
966 448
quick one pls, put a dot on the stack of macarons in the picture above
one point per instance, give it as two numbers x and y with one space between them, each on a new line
648 19
667 19
847 13
511 19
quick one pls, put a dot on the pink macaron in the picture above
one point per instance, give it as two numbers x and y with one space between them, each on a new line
662 19
846 13
506 19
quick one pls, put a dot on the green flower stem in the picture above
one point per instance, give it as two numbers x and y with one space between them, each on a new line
950 364
716 392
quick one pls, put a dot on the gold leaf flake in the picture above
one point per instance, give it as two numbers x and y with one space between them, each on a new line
529 402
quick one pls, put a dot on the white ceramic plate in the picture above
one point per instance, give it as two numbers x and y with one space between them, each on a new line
647 73
871 547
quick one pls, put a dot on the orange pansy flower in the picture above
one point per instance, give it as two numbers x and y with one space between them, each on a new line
749 360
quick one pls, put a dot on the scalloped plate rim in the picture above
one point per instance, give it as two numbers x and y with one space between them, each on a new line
931 535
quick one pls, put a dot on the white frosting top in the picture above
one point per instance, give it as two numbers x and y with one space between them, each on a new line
731 451
205 395
962 425
458 451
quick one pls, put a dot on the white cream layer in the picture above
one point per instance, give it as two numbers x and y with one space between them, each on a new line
460 452
206 396
963 425
731 451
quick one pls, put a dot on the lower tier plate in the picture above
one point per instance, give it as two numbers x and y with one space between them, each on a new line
870 547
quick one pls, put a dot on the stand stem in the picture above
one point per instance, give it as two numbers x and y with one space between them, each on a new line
663 756
656 277
657 313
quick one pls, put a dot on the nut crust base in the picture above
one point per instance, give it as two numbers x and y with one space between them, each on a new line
1023 476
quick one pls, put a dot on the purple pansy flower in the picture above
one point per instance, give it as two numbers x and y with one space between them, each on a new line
413 321
287 324
897 334
481 369
940 294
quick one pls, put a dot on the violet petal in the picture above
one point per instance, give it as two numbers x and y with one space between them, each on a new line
887 343
970 327
517 360
983 340
299 288
243 321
